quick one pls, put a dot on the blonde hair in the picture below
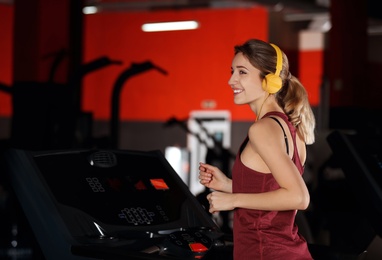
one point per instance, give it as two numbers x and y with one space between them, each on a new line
292 97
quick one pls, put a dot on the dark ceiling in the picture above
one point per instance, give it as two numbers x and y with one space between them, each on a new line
307 5
295 9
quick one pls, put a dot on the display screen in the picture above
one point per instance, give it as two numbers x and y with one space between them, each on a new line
135 189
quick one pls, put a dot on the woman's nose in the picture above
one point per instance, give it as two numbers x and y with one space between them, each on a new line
231 80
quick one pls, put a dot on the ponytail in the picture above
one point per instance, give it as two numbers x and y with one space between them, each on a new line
293 99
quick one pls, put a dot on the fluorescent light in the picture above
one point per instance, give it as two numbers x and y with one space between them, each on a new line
170 26
90 10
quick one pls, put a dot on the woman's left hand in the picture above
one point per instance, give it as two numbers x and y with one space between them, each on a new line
220 201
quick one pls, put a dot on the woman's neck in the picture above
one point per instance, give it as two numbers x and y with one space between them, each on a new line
268 104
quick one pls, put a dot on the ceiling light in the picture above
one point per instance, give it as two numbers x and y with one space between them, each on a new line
170 26
90 10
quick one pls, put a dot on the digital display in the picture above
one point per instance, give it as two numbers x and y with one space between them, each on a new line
135 190
159 184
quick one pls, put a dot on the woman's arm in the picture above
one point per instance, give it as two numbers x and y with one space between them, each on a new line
266 139
213 178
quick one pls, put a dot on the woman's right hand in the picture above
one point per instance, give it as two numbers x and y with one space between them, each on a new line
213 178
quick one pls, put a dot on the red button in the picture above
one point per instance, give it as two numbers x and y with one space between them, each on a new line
197 247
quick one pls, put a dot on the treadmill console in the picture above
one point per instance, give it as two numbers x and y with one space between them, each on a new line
110 202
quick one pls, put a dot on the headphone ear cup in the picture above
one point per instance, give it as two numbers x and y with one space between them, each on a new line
272 83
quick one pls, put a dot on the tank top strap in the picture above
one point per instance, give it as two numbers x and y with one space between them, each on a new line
292 129
284 117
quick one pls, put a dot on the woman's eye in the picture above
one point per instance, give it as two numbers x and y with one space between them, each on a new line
240 72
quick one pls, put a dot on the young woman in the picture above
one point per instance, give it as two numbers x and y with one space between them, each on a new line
267 187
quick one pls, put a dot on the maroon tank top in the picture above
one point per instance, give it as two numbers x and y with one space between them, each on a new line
259 234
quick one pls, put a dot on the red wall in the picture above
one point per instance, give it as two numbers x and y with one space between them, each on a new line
198 61
6 49
310 73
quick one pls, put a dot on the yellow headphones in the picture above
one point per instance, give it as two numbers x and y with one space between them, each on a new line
272 82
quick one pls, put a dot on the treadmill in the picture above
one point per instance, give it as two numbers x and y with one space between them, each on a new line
111 204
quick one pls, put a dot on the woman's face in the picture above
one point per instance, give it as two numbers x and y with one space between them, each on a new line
245 81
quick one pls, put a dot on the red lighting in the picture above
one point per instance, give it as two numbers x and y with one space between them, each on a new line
198 247
140 185
159 184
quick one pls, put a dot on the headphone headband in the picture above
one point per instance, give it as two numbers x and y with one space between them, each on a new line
272 82
279 57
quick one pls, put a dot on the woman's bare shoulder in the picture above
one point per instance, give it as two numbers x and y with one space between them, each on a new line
259 131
